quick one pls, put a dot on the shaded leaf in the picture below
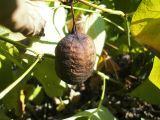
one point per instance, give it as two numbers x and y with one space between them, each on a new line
148 92
3 116
46 75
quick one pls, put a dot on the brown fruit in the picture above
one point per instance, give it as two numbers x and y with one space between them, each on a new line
75 57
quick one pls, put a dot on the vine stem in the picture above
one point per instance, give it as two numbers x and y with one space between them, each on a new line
110 11
76 8
104 78
128 32
10 87
91 11
113 23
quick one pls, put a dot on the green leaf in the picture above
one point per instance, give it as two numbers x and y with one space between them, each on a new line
10 57
147 91
3 30
54 31
150 89
154 76
102 114
95 27
8 75
46 75
3 115
145 24
59 20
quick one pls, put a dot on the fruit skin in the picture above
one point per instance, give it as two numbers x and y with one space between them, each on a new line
75 57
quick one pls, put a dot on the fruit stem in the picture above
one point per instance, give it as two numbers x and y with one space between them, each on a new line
74 30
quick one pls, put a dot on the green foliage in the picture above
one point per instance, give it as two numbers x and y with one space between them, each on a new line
46 75
3 116
145 29
154 76
148 92
95 27
25 59
145 24
102 114
44 71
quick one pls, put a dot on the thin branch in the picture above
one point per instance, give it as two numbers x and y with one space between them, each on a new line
110 11
128 32
113 23
10 87
91 11
76 8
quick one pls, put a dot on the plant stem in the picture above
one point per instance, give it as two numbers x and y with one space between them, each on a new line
78 8
110 11
74 29
103 88
128 32
113 23
91 11
104 77
10 87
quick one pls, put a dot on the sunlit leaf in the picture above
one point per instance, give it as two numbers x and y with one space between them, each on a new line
95 27
4 31
11 58
154 76
102 114
145 24
59 20
54 30
35 93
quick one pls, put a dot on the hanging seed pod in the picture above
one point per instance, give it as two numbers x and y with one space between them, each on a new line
75 57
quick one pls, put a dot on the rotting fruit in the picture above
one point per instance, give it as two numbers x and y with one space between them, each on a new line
75 57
